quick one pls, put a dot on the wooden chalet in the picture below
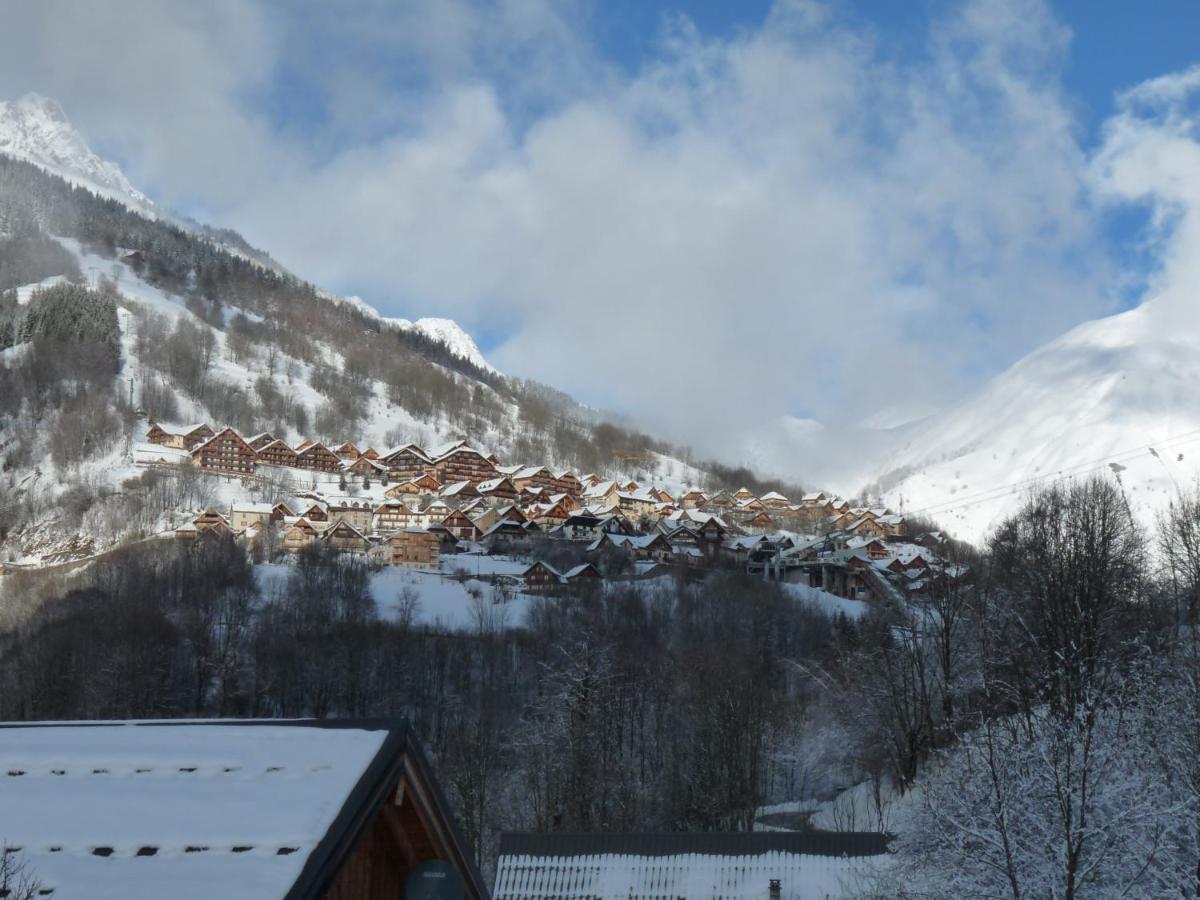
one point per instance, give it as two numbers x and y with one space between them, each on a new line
566 482
498 490
742 494
277 453
463 464
406 462
760 521
459 494
226 453
260 440
583 574
318 458
347 451
416 548
316 512
693 500
243 515
343 536
331 809
363 467
370 453
298 535
550 515
542 578
533 476
866 526
392 515
459 524
182 437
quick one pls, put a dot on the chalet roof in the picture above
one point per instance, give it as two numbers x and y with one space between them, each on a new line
184 430
411 448
453 490
509 470
700 866
530 471
600 489
253 809
773 495
578 570
273 443
485 487
261 434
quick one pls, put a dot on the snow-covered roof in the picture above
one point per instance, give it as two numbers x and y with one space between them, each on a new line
773 495
698 866
264 509
173 809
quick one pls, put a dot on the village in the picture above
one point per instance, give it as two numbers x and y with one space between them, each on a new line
416 507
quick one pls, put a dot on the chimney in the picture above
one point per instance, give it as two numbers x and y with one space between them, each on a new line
776 892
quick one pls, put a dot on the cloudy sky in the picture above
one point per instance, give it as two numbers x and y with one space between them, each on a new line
685 211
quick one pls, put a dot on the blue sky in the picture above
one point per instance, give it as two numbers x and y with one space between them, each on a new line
764 205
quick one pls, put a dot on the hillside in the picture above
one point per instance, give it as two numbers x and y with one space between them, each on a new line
210 330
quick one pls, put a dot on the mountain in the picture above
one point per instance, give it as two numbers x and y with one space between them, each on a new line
442 331
1115 395
35 128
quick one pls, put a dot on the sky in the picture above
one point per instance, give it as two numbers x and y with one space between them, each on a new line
688 212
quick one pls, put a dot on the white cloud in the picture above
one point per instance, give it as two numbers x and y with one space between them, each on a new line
783 220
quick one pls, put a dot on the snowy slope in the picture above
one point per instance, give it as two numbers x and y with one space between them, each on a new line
1113 395
35 129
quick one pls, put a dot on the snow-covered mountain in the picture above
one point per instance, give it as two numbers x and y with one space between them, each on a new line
444 331
1114 395
35 128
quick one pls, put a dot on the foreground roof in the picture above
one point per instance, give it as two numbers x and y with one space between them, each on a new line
694 865
262 810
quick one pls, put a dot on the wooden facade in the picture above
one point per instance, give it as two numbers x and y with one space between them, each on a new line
225 453
318 458
277 453
406 463
415 548
498 490
187 438
392 515
343 536
463 464
461 526
540 578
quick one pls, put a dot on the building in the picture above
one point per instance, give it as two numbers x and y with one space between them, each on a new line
498 490
542 578
243 515
392 515
459 524
343 536
257 809
364 467
183 437
463 464
357 512
277 453
416 548
406 462
753 865
317 457
226 453
347 451
260 440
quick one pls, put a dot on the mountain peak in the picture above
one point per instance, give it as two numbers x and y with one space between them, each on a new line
36 129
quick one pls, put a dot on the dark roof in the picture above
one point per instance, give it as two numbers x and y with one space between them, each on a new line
857 843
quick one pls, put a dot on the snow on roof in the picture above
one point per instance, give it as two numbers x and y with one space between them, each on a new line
600 489
772 495
643 866
214 788
529 471
490 485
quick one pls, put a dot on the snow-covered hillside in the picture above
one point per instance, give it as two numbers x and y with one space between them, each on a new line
444 331
1114 395
34 128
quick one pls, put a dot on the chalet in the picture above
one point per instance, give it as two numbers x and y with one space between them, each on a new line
761 522
565 482
541 578
549 515
892 525
392 515
183 437
580 526
816 499
775 500
506 534
721 501
498 490
634 506
463 464
333 809
347 451
226 453
433 512
693 500
866 525
537 476
654 547
753 865
742 494
362 467
305 444
370 453
243 515
662 496
601 496
316 512
260 440
415 548
318 458
357 512
582 574
210 518
422 486
343 536
298 534
406 462
277 453
459 494
461 526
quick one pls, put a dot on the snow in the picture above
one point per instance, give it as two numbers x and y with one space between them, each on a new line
25 291
35 129
828 603
129 786
444 331
692 875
